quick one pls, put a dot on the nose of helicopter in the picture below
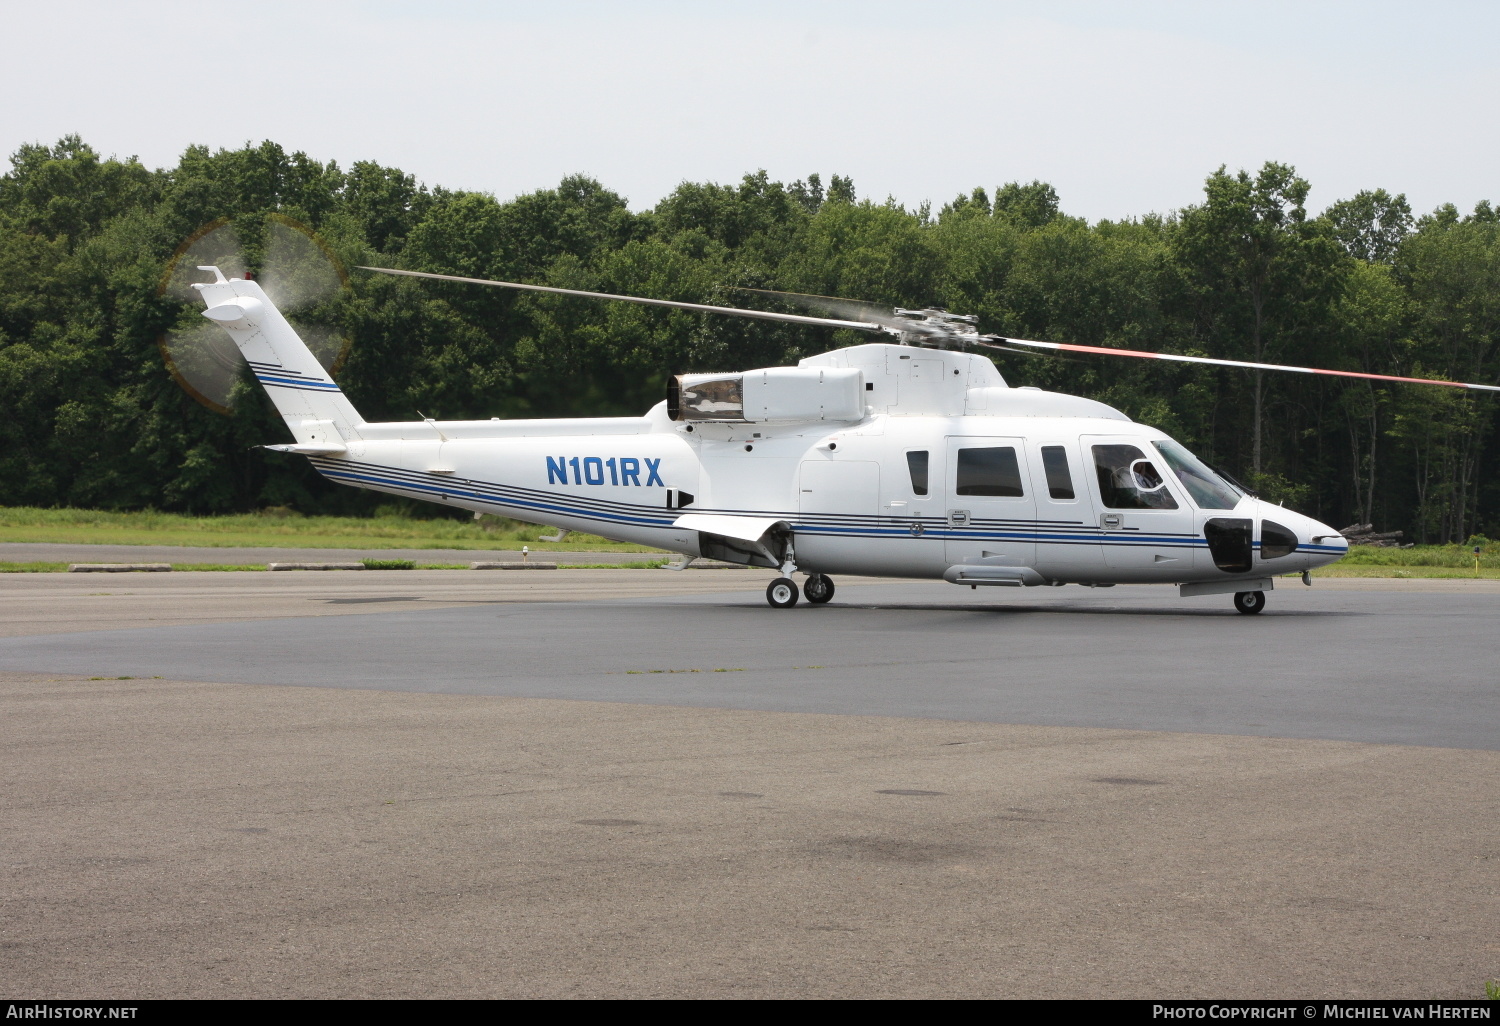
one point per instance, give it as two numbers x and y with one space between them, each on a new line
1317 544
1325 545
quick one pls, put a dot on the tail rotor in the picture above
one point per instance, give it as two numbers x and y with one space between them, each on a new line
297 270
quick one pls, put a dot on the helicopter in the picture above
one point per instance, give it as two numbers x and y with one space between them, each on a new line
905 457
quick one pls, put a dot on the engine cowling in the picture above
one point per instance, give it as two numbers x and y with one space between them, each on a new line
773 395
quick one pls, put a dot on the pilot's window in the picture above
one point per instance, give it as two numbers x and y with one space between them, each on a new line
991 471
1128 480
1208 489
1275 540
916 462
1059 478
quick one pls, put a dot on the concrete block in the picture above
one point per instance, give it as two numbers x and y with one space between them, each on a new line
118 568
483 565
315 566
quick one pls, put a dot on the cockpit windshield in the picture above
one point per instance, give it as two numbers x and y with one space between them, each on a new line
1209 490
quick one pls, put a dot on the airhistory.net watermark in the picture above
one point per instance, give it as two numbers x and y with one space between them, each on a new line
58 1010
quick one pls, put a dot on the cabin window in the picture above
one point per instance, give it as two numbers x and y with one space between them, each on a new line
916 464
1276 541
1209 490
1128 480
989 471
1059 478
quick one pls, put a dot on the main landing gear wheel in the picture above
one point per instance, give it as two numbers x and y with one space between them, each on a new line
818 589
1249 601
782 593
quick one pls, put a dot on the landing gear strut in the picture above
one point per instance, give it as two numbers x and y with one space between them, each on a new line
1249 601
782 593
818 588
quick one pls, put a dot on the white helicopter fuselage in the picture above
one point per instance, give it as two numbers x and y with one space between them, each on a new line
875 460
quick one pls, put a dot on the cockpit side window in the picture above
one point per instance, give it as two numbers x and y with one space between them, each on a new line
1059 477
1209 490
916 464
1128 480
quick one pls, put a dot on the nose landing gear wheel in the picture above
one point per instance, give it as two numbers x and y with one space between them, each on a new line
1250 601
782 593
818 589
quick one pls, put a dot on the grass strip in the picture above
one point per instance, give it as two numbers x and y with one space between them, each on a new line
265 540
1411 572
1457 557
279 528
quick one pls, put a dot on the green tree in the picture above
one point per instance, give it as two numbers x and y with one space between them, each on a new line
1372 225
1451 269
66 192
1032 205
1372 319
95 419
1263 274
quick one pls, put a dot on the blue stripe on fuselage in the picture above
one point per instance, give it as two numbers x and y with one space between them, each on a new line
636 515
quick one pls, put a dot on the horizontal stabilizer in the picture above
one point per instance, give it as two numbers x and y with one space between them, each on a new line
238 312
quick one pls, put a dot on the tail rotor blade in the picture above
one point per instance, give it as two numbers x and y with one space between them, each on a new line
297 272
216 244
1177 358
328 344
204 361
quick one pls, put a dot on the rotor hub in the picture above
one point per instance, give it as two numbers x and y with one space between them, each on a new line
935 328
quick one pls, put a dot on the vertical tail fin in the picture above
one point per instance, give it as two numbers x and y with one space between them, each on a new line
321 418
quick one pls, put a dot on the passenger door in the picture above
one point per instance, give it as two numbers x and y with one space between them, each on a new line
1145 522
839 507
991 510
1067 528
847 492
914 509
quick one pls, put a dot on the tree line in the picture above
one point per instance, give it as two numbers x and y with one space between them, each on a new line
1247 272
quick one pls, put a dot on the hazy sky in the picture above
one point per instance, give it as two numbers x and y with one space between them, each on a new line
1124 107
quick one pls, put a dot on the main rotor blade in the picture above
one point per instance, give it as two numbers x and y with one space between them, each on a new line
762 315
1023 352
1069 347
831 305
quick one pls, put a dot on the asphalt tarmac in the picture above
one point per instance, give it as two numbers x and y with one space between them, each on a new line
57 552
647 783
1370 664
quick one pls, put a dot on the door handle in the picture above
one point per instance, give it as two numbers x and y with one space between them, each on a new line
1111 521
958 518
